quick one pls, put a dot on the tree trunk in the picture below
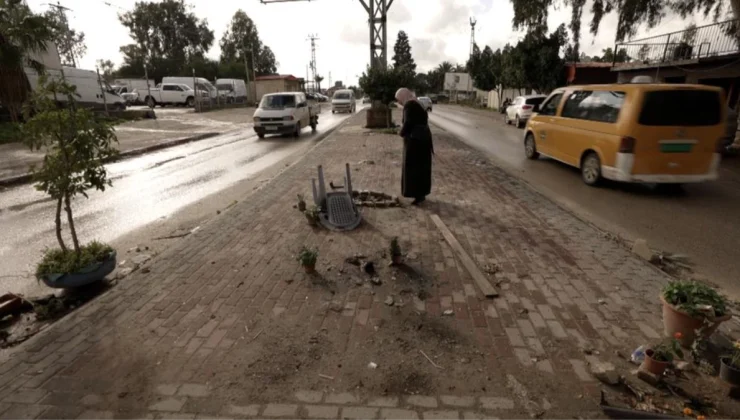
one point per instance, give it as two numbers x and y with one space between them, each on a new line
58 225
70 220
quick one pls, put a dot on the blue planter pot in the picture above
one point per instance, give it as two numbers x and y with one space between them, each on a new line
90 274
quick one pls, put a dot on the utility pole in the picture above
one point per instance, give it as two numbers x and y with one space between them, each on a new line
472 48
61 10
246 70
313 38
377 11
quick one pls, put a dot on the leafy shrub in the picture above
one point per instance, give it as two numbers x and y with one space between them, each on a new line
57 261
308 256
690 296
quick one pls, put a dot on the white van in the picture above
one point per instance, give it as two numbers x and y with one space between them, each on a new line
343 101
203 86
89 89
232 89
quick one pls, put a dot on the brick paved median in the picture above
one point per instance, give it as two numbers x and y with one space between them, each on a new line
226 324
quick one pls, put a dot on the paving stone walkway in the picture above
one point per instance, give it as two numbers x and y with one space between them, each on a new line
226 324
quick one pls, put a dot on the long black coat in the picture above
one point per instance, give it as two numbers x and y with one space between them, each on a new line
416 179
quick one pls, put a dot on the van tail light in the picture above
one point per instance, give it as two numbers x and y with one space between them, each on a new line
721 146
627 145
527 107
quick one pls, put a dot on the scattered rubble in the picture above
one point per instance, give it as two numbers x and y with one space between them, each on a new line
606 373
641 248
389 301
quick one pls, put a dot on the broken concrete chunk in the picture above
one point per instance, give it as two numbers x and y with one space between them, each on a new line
605 372
141 259
641 248
648 377
389 301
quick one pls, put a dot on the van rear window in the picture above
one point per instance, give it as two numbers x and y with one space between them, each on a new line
681 108
535 101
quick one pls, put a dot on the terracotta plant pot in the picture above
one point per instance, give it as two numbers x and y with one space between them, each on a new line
653 366
310 269
728 373
676 320
397 259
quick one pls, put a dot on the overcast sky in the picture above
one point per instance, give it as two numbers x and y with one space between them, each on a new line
438 30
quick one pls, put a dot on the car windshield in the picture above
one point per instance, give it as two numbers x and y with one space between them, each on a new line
341 96
227 87
278 102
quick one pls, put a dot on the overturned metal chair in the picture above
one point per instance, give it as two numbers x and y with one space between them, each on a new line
338 211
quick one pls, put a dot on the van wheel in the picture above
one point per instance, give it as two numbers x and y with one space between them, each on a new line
530 147
591 169
190 102
297 132
150 102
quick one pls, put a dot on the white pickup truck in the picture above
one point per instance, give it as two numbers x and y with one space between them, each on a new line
285 113
169 94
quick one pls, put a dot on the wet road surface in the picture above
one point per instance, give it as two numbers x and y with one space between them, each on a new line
145 189
702 222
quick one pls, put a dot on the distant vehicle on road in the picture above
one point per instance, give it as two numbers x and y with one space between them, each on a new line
521 109
426 102
343 101
203 86
434 98
632 132
366 100
170 94
285 113
231 89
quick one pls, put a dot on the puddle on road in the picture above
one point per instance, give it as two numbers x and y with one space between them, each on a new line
208 176
158 164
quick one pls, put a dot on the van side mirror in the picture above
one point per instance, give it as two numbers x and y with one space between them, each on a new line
302 105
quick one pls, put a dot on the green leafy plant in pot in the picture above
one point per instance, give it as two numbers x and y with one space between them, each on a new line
312 215
659 357
77 143
395 250
308 257
729 369
692 309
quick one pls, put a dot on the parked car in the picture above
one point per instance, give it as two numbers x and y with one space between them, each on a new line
343 101
201 85
632 132
521 109
426 102
170 94
285 113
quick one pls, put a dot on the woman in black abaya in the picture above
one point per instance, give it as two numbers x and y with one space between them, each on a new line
416 178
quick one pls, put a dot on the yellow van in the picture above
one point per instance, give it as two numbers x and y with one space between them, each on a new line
649 133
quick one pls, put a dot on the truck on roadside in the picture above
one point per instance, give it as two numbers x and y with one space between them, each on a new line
170 94
285 113
204 87
132 90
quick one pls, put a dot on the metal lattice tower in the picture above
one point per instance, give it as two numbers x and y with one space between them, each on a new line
377 11
313 38
472 35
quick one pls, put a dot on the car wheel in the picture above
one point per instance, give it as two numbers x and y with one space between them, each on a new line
506 119
591 169
150 102
190 102
332 111
518 122
530 147
297 132
261 135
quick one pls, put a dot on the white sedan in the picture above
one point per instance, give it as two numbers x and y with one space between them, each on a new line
426 102
521 109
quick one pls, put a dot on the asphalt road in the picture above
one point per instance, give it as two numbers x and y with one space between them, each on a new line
146 190
702 222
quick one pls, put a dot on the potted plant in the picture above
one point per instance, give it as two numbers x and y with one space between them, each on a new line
395 251
76 143
692 309
729 369
307 258
301 203
659 357
312 215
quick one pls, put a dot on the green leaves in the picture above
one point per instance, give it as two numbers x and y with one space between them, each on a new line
242 36
691 296
381 84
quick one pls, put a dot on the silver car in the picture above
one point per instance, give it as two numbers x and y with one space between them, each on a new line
426 102
521 109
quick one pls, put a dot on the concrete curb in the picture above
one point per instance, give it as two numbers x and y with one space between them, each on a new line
27 177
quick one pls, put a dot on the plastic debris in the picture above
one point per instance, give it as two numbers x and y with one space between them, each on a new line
638 356
448 312
372 365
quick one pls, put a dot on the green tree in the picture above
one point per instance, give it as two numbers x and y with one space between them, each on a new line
402 58
436 77
381 84
167 35
538 56
421 84
631 13
69 42
609 57
23 35
76 142
107 69
241 37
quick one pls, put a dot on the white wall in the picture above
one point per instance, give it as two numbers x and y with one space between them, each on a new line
457 82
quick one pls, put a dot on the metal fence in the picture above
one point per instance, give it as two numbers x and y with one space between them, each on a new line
714 40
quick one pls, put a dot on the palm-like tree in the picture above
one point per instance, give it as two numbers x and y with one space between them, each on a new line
22 34
319 79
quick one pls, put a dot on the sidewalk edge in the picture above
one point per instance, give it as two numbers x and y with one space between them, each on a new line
27 177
